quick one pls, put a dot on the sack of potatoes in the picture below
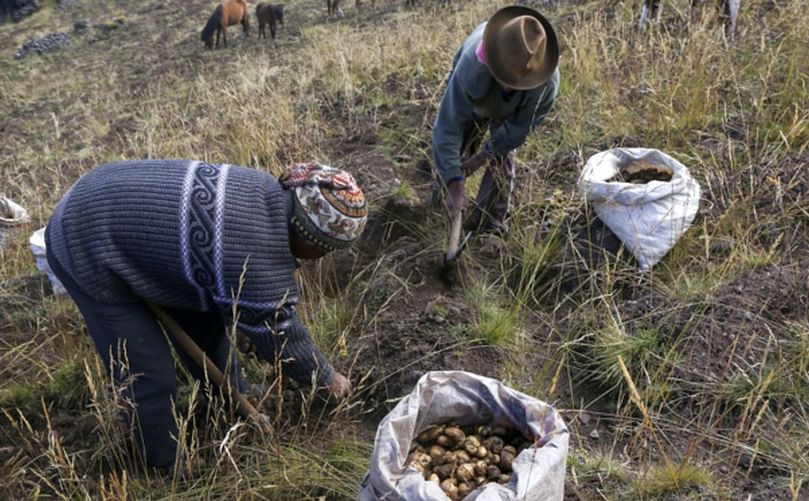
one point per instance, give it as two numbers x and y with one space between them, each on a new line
460 436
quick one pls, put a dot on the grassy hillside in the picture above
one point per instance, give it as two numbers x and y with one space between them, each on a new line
688 382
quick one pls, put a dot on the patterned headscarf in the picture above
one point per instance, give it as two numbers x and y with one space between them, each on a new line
330 210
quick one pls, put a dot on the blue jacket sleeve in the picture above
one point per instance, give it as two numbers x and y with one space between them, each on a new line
280 335
531 112
455 111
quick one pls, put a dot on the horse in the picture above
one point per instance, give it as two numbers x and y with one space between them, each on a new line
227 14
729 13
269 14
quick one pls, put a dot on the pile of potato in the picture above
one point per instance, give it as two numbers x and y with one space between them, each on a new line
461 459
641 172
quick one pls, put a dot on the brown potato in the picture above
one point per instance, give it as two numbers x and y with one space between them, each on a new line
471 444
464 489
493 459
492 472
436 452
434 478
450 487
480 468
444 471
494 444
510 449
483 431
482 452
499 431
444 441
480 480
455 434
462 456
430 434
506 459
465 472
503 478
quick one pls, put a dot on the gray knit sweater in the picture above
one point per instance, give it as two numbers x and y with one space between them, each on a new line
190 235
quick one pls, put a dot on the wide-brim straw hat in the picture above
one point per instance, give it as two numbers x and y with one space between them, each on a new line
521 48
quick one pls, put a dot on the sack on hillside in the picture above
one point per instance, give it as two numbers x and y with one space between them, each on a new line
648 215
11 214
468 399
37 245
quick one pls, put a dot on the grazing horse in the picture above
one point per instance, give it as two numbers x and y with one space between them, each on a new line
229 13
269 14
729 8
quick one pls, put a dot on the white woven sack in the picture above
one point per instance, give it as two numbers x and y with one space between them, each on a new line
648 218
37 245
467 399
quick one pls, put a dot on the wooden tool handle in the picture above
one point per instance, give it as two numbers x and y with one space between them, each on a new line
454 236
194 351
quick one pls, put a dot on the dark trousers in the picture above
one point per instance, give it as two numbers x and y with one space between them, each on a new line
496 187
138 357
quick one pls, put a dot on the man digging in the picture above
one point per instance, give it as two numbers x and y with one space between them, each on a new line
503 78
199 240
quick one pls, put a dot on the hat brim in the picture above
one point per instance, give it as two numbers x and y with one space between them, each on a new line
500 72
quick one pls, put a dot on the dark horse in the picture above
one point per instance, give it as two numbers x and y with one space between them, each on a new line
269 14
227 14
729 13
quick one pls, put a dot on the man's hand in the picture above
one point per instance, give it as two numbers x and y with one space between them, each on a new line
340 387
456 197
475 162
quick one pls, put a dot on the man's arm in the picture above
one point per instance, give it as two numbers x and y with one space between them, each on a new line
455 112
515 129
282 336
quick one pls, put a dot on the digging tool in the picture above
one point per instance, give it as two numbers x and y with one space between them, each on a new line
194 351
456 245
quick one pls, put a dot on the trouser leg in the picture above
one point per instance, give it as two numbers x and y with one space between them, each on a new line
209 332
136 354
494 196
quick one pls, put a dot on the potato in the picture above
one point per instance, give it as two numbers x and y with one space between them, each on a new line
444 441
471 444
510 449
480 480
430 434
503 478
482 452
483 431
434 478
450 487
465 472
492 472
506 459
455 434
480 468
462 456
499 431
464 489
436 452
495 444
444 471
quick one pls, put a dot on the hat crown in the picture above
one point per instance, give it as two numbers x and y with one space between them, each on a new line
523 43
521 48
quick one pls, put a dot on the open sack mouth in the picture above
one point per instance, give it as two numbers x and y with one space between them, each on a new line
638 171
11 213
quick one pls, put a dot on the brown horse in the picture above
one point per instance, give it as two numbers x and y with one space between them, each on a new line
729 12
227 14
269 14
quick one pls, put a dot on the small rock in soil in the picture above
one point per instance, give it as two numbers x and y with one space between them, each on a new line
48 43
594 434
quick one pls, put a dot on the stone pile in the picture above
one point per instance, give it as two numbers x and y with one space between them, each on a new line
48 43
